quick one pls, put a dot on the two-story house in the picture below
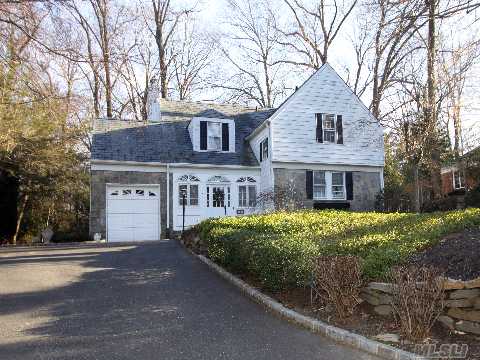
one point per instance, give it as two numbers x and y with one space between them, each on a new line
194 160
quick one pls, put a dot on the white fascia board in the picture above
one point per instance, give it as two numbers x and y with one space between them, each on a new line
258 129
215 171
334 167
116 165
112 165
297 93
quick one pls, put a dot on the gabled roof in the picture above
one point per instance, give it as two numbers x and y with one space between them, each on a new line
318 72
168 141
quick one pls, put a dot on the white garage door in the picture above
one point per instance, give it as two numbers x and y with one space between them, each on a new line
133 213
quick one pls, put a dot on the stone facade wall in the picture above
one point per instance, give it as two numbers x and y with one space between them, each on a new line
98 181
462 303
366 186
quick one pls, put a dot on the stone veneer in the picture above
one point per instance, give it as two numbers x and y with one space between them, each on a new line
366 186
98 181
462 303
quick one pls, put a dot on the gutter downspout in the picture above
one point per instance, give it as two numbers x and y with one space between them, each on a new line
167 231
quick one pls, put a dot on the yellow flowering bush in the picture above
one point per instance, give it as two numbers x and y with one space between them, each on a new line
278 248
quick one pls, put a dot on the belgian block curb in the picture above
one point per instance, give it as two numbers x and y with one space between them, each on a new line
317 326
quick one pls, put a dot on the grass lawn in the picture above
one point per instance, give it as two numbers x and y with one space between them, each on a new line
278 248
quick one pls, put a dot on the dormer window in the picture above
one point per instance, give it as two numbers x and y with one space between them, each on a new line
214 136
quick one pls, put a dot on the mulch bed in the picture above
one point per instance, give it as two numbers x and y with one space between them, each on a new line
458 255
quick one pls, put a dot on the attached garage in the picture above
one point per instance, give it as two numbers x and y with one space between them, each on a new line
133 212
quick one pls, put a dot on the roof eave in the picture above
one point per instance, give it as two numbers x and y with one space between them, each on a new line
259 128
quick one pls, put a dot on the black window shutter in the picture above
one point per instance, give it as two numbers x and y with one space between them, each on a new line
319 130
349 185
225 138
261 151
309 184
339 129
203 135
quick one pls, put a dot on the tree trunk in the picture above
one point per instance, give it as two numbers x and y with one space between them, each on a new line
431 114
457 146
416 189
19 219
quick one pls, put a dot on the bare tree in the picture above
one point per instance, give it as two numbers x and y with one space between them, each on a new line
362 44
314 30
166 20
394 40
138 66
194 52
102 23
256 69
454 67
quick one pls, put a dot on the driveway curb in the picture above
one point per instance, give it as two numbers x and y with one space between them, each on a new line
317 326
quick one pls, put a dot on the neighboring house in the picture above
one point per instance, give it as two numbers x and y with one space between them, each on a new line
322 144
461 175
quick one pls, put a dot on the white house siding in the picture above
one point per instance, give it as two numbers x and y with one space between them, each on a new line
195 214
266 172
293 126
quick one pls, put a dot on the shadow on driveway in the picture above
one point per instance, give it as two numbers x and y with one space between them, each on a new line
151 301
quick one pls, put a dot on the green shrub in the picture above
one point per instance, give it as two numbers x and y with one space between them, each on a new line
279 248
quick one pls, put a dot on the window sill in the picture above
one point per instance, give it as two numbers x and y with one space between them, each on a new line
330 199
215 151
328 143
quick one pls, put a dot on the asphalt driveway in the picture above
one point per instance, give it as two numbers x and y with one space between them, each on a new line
138 302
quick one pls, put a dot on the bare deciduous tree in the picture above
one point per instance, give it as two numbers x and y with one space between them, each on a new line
256 68
314 30
166 20
102 23
193 55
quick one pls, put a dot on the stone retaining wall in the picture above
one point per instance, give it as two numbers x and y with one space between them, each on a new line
462 303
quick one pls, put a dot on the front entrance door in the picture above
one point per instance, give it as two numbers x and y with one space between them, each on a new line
219 200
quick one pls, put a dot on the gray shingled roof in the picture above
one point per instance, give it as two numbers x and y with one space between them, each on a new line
169 141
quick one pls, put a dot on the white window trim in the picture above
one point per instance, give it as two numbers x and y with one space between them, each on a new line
247 198
324 116
328 186
187 198
209 136
462 183
231 134
263 142
344 197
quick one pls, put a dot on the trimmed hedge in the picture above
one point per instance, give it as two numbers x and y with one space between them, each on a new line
278 248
